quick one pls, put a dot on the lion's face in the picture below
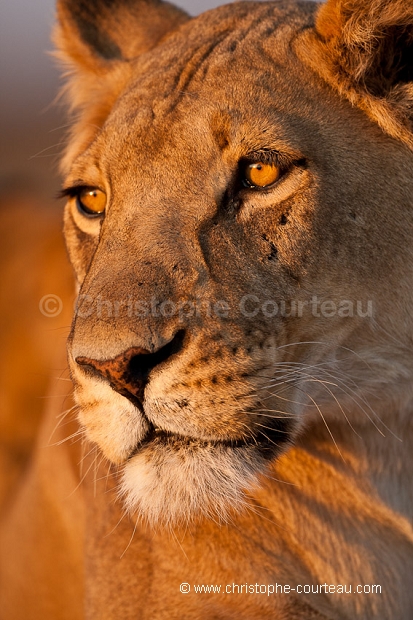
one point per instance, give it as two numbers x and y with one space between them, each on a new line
237 264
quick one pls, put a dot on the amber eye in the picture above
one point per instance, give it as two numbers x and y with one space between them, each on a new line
91 202
261 175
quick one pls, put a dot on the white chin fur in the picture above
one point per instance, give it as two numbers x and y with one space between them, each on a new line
169 484
109 420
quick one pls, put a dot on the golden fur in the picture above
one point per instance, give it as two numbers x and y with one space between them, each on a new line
259 448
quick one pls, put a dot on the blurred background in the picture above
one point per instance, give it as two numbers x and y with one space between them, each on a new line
33 262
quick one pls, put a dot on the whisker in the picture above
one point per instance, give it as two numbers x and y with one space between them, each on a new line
293 484
60 418
354 395
78 433
123 515
326 425
267 415
340 406
271 429
131 538
87 471
39 154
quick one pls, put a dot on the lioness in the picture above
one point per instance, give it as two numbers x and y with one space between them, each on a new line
239 217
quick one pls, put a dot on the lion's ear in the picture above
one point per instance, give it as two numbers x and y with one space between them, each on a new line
367 53
95 40
93 33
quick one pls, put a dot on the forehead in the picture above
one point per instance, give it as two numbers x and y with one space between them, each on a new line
222 77
225 59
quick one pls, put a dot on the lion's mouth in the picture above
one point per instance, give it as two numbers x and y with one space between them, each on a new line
158 436
155 436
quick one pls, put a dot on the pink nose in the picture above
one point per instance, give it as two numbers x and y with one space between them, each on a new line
122 372
128 373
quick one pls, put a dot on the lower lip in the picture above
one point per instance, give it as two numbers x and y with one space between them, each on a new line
161 436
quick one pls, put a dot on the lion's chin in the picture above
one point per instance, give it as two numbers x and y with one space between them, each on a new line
174 480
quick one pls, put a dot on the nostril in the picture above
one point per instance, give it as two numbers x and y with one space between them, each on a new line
140 365
128 373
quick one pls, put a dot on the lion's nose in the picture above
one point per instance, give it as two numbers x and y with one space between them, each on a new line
128 373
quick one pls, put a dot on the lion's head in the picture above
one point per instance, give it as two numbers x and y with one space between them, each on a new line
240 219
